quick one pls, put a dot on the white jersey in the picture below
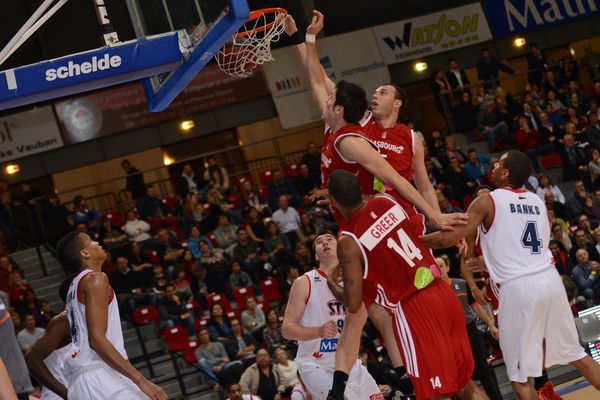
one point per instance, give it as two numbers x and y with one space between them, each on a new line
82 356
321 307
55 364
516 243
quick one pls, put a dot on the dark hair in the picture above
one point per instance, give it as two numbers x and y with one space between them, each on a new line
471 150
67 251
519 167
63 289
452 60
534 44
268 226
354 100
125 162
77 201
345 188
400 95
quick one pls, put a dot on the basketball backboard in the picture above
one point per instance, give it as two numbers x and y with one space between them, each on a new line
175 40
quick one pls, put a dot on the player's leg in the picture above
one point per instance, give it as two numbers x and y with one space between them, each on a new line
525 390
472 391
317 380
590 370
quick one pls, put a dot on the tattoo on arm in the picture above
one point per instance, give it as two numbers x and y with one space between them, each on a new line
348 281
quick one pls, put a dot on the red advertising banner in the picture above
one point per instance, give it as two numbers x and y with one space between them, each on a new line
123 108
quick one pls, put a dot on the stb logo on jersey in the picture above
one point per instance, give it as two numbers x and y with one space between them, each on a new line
328 345
336 308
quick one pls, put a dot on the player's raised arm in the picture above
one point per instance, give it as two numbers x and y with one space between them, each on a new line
52 338
481 209
359 150
97 293
291 328
316 75
292 30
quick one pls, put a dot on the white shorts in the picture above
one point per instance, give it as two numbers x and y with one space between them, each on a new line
534 308
360 386
100 382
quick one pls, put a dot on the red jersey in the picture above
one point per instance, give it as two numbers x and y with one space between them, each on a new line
331 159
397 263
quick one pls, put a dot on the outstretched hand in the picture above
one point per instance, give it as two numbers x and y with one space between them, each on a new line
316 25
447 222
154 392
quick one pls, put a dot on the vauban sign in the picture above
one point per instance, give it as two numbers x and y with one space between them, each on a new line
508 17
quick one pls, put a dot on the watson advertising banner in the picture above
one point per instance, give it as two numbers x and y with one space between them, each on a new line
123 108
352 57
432 33
509 17
28 133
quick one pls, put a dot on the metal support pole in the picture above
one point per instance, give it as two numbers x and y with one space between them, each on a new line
109 35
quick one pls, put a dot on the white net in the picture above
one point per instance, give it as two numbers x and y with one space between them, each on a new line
251 45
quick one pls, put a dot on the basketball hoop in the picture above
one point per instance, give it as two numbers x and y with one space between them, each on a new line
251 44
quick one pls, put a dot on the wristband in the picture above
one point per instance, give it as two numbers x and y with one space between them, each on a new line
310 38
296 38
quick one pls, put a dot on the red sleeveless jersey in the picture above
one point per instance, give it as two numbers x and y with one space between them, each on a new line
395 259
331 159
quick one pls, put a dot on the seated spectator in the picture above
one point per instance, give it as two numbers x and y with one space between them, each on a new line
465 114
6 267
262 378
303 258
559 235
235 393
194 214
580 123
251 197
557 207
174 312
592 209
307 230
218 177
189 182
30 334
528 139
458 180
114 239
272 334
265 268
552 84
491 127
581 242
219 206
285 285
240 345
503 113
253 319
17 288
182 284
451 150
82 213
281 185
312 158
435 143
256 228
194 242
287 218
226 234
138 231
216 264
477 165
594 168
288 371
159 279
214 361
575 202
31 305
551 133
435 174
445 206
278 245
574 160
562 262
154 211
239 279
131 289
218 325
546 185
244 251
168 249
305 182
585 275
139 261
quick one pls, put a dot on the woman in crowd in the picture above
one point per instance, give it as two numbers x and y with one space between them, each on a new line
218 326
288 371
194 242
272 334
82 213
546 185
303 257
253 319
113 239
251 197
278 245
256 228
307 230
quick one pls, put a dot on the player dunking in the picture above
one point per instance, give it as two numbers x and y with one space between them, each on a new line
98 366
513 230
315 318
378 246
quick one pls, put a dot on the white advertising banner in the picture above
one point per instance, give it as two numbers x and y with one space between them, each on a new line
353 57
432 33
27 133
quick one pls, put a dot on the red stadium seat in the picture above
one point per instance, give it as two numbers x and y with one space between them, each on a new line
235 199
115 218
237 313
265 176
203 321
221 299
189 351
146 315
270 290
292 169
264 306
240 295
550 161
176 338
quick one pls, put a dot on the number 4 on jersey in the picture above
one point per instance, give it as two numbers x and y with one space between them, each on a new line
407 248
531 238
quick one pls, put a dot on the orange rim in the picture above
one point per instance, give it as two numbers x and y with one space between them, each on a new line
257 14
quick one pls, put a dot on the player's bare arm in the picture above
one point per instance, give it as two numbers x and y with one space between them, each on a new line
96 294
291 328
55 335
316 77
291 29
485 317
467 274
7 391
481 209
421 178
350 261
357 149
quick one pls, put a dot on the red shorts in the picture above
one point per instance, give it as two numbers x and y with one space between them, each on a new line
432 337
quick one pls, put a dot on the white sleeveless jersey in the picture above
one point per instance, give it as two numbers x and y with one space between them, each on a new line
321 307
516 243
55 364
82 355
